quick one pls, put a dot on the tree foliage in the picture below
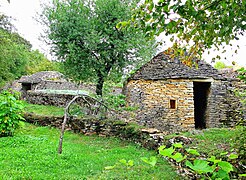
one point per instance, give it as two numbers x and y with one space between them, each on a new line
84 36
38 62
12 57
16 56
196 24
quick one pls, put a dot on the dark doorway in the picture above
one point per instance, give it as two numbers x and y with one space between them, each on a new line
201 92
26 87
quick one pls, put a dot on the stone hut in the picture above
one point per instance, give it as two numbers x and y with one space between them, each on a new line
40 80
50 88
173 97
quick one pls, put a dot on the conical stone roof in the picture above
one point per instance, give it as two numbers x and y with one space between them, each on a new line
163 66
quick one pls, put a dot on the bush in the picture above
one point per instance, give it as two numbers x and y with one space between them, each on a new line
10 113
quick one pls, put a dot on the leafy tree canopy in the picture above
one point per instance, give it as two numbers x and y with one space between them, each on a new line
16 56
12 57
84 36
196 24
38 62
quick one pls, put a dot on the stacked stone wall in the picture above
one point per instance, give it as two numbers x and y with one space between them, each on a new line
236 110
153 99
41 98
148 138
224 107
216 105
64 85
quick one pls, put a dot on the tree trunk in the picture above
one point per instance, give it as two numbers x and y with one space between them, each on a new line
99 85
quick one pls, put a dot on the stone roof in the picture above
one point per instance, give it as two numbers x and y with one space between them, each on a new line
41 76
162 66
229 73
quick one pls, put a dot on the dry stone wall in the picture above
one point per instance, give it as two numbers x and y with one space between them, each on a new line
41 98
64 85
216 105
148 138
236 111
153 99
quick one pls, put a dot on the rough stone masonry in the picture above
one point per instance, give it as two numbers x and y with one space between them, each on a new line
173 97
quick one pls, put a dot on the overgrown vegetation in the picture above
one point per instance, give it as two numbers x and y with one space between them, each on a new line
10 113
202 167
209 151
32 154
219 145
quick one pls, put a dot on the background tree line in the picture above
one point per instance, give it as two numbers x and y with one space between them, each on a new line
16 55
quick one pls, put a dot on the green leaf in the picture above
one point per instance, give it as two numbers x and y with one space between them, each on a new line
226 166
151 161
223 153
162 147
123 161
178 145
130 163
165 8
233 156
151 6
200 166
178 157
193 152
214 160
167 152
222 174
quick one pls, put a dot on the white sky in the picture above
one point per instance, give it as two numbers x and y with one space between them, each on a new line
24 11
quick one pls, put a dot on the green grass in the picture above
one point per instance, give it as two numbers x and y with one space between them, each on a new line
32 154
43 109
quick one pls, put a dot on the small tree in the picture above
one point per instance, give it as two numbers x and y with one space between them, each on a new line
84 36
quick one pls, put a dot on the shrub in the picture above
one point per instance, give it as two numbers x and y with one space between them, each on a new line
10 113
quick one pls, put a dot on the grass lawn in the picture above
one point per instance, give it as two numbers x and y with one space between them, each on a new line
32 154
43 109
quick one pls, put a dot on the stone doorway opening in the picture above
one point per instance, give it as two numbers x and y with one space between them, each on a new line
201 91
26 87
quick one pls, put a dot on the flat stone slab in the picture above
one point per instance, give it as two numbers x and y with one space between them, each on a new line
150 130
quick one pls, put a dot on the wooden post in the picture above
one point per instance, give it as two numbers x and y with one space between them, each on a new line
64 124
66 115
